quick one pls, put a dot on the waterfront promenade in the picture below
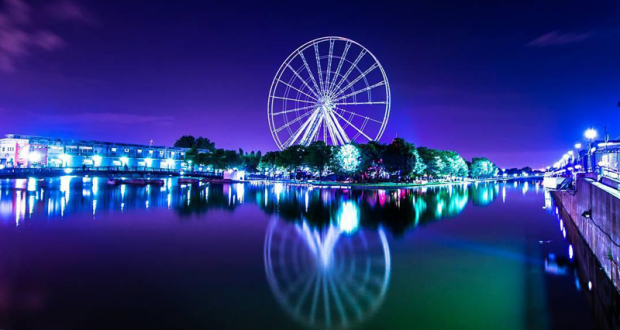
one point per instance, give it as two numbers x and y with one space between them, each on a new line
107 171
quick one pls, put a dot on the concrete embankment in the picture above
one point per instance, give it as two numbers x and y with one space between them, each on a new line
594 209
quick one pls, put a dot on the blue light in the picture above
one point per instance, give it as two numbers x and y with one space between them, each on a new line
348 217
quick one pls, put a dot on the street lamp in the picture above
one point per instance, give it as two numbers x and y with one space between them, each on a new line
591 134
577 145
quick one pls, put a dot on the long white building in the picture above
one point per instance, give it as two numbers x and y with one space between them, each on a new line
35 151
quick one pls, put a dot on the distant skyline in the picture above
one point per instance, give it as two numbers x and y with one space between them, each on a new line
516 81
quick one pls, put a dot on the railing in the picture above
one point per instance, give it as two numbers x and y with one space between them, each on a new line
103 170
610 173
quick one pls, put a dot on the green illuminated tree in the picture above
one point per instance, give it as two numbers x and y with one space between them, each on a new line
347 160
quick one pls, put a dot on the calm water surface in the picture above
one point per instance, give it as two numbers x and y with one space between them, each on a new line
85 255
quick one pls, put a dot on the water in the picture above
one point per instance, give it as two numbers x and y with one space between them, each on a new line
85 255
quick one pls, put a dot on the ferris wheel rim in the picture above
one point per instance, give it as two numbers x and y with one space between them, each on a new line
298 52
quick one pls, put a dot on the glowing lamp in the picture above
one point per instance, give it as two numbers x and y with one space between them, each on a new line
34 157
97 160
591 134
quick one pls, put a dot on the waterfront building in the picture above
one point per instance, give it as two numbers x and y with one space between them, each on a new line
34 151
606 156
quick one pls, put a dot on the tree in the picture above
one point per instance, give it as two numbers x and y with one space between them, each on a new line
268 162
347 159
291 158
186 141
435 166
217 159
204 144
251 161
399 157
318 155
232 159
371 158
482 167
419 167
455 164
191 157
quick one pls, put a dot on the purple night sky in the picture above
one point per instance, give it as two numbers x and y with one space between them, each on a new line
517 81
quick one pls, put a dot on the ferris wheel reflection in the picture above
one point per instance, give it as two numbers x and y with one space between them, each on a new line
328 278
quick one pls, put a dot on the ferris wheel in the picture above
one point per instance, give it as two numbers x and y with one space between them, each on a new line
330 89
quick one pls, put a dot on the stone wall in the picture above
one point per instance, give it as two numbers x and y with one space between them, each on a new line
595 210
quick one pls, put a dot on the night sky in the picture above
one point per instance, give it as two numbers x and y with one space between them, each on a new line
517 81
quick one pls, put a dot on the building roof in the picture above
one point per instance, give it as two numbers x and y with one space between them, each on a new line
42 139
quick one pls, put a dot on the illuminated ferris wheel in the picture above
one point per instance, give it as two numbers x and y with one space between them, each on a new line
330 89
327 279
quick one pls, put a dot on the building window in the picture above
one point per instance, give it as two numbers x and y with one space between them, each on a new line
113 149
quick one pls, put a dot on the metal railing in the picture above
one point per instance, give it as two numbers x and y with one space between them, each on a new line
103 170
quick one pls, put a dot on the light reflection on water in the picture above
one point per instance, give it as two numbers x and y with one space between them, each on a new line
398 210
331 257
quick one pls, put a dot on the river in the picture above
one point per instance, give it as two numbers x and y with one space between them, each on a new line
81 254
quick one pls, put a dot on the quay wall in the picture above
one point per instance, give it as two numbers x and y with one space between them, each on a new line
594 208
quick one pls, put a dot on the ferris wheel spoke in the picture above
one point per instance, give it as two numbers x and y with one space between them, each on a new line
354 81
301 129
342 59
315 130
309 130
359 91
318 65
336 140
293 110
324 131
356 114
351 300
360 103
303 58
329 62
355 127
299 90
278 130
306 291
351 68
328 318
343 135
290 99
330 128
315 299
339 306
302 80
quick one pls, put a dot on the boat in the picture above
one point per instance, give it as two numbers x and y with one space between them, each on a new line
114 182
137 182
188 180
155 182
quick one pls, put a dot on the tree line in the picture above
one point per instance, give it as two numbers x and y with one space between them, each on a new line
370 162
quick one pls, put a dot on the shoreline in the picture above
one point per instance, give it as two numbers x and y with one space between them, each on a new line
390 185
